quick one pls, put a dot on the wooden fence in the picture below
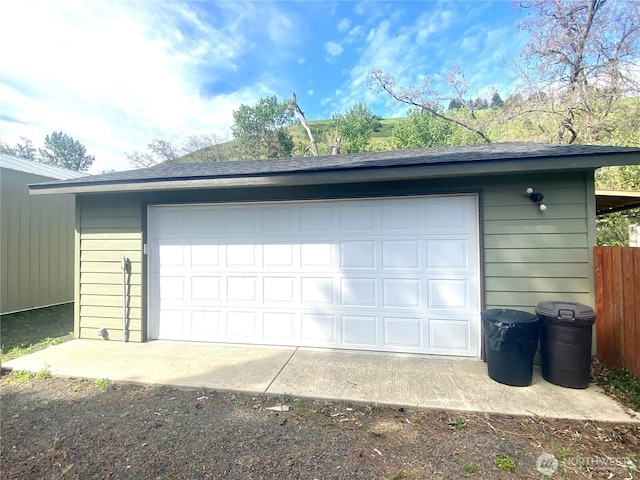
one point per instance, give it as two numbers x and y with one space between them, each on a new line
617 283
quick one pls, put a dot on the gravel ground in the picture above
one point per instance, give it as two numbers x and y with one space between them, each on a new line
55 428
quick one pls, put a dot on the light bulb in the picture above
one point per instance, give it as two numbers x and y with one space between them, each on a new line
543 207
530 190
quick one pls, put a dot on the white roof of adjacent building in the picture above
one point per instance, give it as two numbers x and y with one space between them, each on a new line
27 166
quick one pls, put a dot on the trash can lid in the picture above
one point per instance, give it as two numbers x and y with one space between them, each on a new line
566 312
503 315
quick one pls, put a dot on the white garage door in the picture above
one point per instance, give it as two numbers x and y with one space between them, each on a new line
390 274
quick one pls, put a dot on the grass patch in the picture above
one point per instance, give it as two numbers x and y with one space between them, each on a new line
505 462
26 332
471 468
103 384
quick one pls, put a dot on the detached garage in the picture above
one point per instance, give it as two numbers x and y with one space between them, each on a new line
388 251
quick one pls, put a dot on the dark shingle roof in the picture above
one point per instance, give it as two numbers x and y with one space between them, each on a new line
451 156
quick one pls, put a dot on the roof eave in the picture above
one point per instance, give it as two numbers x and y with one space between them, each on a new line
337 176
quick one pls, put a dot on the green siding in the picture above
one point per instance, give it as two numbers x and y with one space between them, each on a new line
528 255
108 230
36 244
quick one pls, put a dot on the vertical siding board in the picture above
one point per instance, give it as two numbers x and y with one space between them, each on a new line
629 327
608 313
34 247
618 309
613 305
601 321
634 315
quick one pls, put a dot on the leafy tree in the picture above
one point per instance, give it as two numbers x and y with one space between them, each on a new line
355 127
7 149
613 228
496 101
455 104
260 130
63 151
480 104
583 55
24 150
422 129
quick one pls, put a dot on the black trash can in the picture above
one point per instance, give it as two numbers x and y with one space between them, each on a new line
511 341
565 342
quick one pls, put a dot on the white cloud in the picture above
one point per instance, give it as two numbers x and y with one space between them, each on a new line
114 75
343 25
310 92
355 33
333 48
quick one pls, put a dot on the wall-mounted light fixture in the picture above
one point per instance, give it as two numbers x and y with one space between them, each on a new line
536 197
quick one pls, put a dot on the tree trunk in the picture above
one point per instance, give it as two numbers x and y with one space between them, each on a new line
300 115
335 149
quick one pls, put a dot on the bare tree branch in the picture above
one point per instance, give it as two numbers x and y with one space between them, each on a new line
424 97
300 116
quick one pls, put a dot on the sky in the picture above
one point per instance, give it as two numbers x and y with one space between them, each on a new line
114 75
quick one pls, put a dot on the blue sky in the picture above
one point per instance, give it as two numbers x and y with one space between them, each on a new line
114 74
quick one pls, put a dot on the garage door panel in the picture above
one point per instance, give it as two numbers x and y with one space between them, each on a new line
390 274
240 221
278 255
358 254
405 216
447 294
318 329
173 289
358 292
278 220
241 325
205 256
171 223
314 255
317 291
173 323
402 293
403 333
357 218
241 256
451 215
172 255
401 255
205 289
205 324
448 254
242 289
360 330
449 336
281 326
316 218
280 290
205 222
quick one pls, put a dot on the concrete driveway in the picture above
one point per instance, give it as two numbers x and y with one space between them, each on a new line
365 377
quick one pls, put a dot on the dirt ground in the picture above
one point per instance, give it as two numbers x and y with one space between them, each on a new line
55 428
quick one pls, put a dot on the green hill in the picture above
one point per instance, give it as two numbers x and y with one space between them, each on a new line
622 128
